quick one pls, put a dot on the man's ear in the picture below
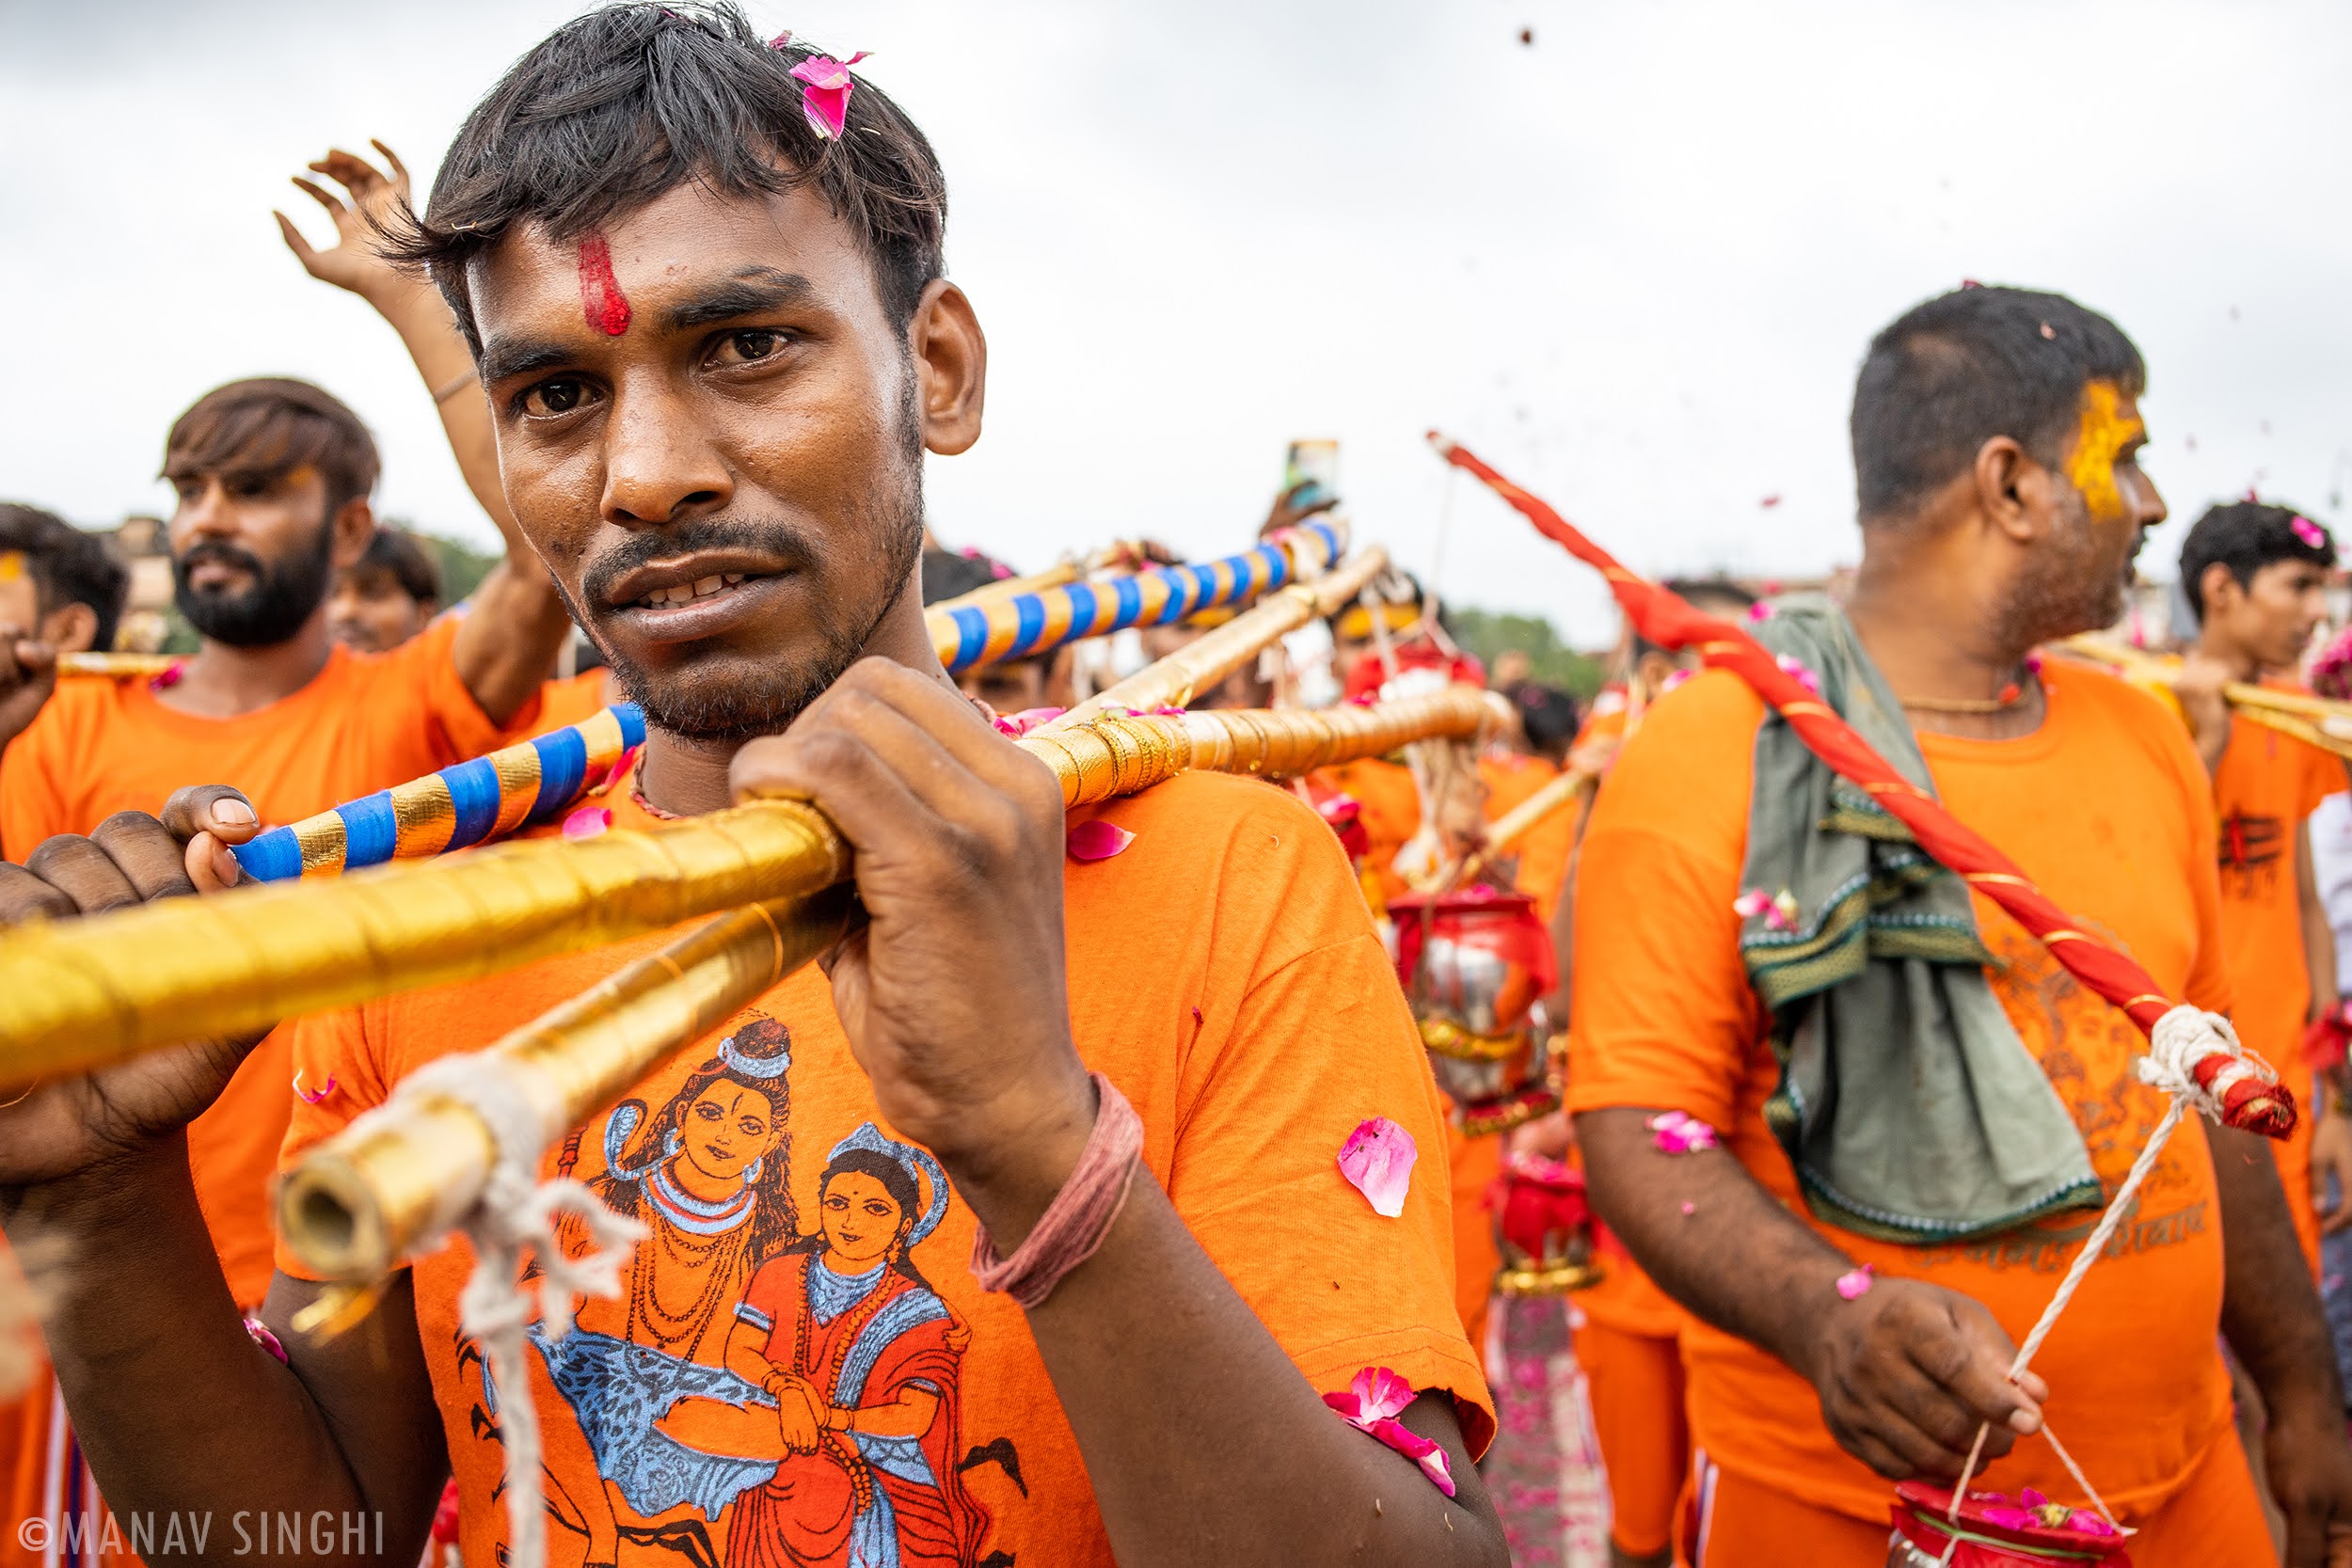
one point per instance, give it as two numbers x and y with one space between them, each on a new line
2014 492
70 628
354 524
950 356
2221 588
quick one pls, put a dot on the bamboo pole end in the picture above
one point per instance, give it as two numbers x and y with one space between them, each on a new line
328 1213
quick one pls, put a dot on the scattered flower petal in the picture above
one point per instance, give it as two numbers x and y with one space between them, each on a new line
619 771
1771 501
2010 1517
1689 1208
1855 1283
587 822
311 1097
1760 611
2033 660
2310 533
1021 724
2088 1522
1679 1132
260 1332
2028 1497
825 99
1750 903
1098 840
1782 916
1379 1159
780 40
1798 672
1370 1405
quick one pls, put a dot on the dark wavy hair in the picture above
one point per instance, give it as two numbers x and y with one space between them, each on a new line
625 104
1948 375
2246 536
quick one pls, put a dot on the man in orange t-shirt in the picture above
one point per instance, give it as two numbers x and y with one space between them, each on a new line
273 479
2256 578
804 1368
2000 509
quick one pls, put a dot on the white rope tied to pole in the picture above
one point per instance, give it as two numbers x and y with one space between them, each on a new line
2182 1040
514 1224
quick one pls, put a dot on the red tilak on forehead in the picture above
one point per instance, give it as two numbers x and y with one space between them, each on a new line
601 296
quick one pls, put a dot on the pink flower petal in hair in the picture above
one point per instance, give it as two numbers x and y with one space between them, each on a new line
2310 533
825 99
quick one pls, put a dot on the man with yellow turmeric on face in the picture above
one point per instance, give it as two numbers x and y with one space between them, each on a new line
1920 1127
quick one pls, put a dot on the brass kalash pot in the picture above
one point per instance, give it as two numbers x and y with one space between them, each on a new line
1475 964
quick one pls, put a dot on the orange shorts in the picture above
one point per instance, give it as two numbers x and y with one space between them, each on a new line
1636 1385
1727 1521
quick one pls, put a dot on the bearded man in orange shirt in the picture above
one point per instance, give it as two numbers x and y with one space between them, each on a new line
719 347
1932 1095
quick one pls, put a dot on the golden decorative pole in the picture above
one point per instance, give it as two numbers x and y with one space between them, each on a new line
2315 720
400 1177
118 665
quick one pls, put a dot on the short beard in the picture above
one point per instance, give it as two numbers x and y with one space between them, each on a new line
2070 589
737 706
282 595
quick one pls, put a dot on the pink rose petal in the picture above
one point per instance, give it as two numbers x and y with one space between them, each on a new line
1098 840
587 822
1689 1208
1381 1392
825 99
1855 1283
1799 673
2310 533
1370 1405
2028 1497
2010 1518
1759 611
1751 904
1379 1159
1679 1132
311 1097
1017 725
2088 1522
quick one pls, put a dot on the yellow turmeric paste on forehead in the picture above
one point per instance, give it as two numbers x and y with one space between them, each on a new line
2099 438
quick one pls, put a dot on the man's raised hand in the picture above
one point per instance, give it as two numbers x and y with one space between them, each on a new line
74 1127
354 260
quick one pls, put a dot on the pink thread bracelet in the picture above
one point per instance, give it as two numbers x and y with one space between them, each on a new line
1081 1215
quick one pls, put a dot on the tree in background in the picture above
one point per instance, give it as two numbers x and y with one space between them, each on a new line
1487 634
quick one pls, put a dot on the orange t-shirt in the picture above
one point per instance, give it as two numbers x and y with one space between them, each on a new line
2267 785
1391 813
1542 852
1626 1299
2106 805
566 700
365 723
1223 972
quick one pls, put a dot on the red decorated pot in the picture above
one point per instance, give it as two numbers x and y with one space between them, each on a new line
1995 1531
1544 1228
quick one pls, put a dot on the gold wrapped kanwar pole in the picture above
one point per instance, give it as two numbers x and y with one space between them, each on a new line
118 665
1520 820
1217 653
400 1177
2315 720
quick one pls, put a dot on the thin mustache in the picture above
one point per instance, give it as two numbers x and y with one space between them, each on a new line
786 542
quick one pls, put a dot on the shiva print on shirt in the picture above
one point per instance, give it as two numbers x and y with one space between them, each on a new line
770 1389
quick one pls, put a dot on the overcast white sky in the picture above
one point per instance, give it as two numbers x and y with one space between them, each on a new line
1634 263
